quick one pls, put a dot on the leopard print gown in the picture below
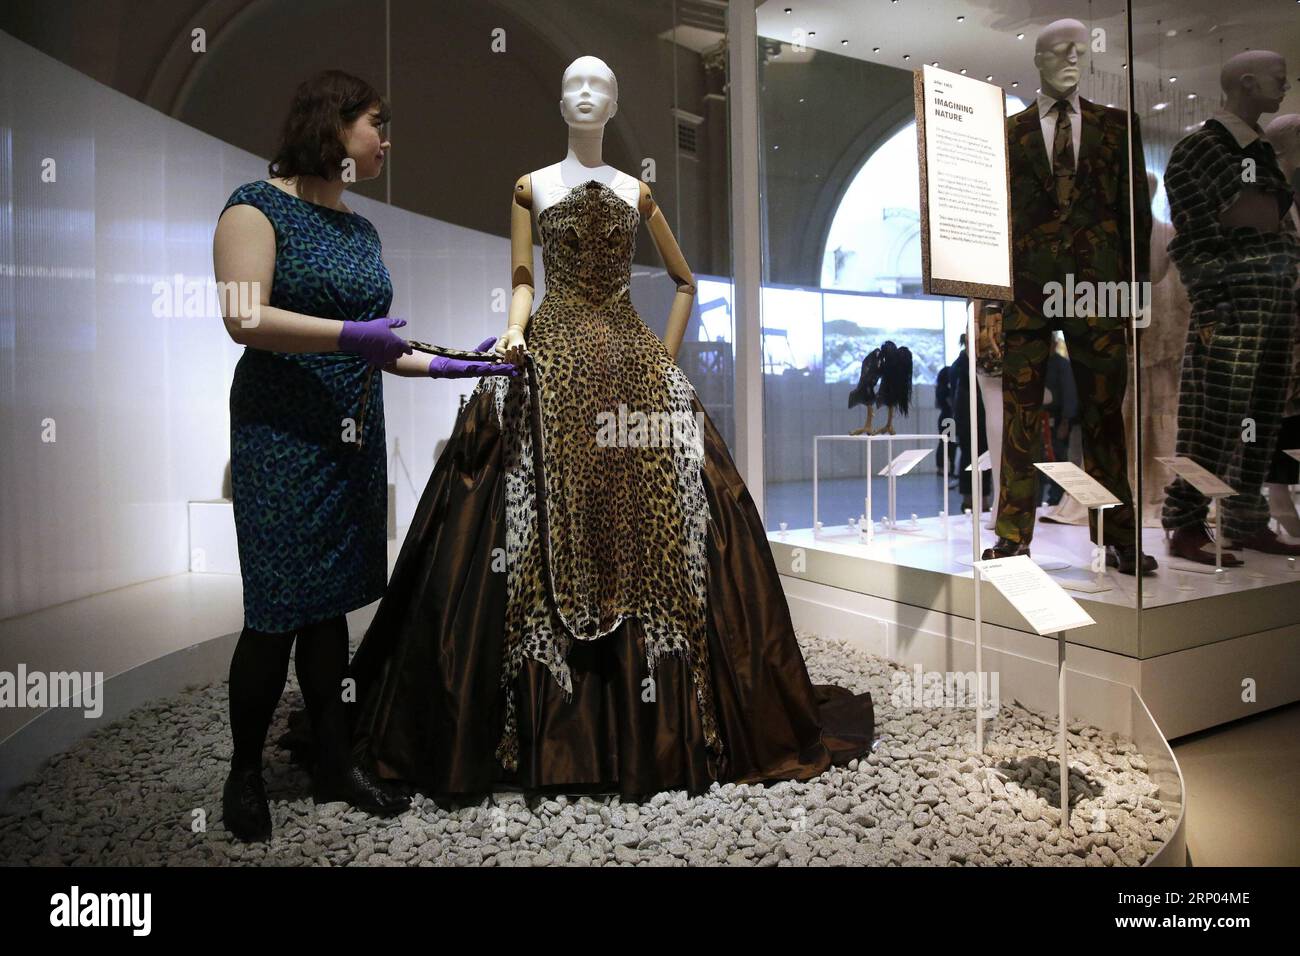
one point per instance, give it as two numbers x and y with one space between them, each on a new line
615 525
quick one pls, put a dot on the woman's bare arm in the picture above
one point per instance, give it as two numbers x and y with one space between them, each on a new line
243 260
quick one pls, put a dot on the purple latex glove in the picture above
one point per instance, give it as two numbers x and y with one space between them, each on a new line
374 340
443 367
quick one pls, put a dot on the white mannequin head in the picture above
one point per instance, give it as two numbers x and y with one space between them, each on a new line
1059 53
1283 134
588 94
1254 82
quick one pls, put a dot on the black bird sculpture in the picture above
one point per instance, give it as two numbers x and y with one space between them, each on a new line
886 381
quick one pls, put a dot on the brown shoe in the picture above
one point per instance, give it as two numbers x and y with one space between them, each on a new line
1267 542
1004 548
1190 544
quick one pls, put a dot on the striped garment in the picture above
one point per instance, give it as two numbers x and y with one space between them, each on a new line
1241 281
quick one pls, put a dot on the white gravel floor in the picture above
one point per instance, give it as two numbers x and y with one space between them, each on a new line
147 790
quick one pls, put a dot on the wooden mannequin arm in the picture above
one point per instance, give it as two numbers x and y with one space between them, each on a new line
521 255
675 263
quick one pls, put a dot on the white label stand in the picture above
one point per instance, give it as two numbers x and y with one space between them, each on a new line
1214 488
1041 601
1062 747
901 465
1090 493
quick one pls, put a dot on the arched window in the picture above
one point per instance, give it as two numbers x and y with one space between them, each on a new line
874 243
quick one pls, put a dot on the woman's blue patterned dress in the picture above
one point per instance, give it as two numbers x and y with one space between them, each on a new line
307 451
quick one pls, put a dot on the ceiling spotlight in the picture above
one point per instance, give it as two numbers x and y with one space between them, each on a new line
1159 106
935 63
907 56
961 19
1173 79
789 10
1015 83
989 77
1021 36
963 72
844 43
875 49
1191 96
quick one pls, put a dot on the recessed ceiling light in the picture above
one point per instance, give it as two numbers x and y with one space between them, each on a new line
812 33
844 43
935 63
1171 33
789 10
961 19
1191 96
963 72
989 77
1159 106
907 56
875 49
1173 79
1015 83
1021 36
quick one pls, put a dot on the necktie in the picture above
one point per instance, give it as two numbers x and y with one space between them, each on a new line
1063 153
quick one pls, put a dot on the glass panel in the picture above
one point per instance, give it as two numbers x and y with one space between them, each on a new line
1221 129
842 267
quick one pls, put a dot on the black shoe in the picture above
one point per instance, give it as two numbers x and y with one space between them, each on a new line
244 807
363 790
1123 557
1005 548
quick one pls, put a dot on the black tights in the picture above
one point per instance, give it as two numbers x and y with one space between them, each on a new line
258 671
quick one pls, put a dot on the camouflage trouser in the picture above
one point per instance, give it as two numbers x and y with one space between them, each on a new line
1235 373
1099 362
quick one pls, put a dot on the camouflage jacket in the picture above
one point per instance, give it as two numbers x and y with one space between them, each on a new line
1088 241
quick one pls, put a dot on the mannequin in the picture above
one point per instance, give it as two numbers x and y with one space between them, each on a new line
1162 362
1283 134
588 101
1070 221
1236 250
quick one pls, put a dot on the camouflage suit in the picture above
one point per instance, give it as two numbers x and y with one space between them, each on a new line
1087 239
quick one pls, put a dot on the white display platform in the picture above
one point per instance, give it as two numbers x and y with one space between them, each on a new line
1187 652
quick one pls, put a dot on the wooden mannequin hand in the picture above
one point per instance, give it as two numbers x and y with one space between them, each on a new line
511 344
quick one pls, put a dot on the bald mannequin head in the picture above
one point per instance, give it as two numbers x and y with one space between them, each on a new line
1059 52
1283 134
1254 82
588 93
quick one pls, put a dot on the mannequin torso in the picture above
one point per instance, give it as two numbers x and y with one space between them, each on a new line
552 183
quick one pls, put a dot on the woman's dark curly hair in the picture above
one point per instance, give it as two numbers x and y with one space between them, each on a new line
311 140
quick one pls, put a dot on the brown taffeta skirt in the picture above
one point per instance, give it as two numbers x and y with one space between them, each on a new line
430 703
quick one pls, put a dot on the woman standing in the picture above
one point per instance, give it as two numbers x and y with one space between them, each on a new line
308 293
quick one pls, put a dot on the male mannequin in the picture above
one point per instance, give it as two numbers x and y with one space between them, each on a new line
1283 134
1162 365
1070 220
1236 251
